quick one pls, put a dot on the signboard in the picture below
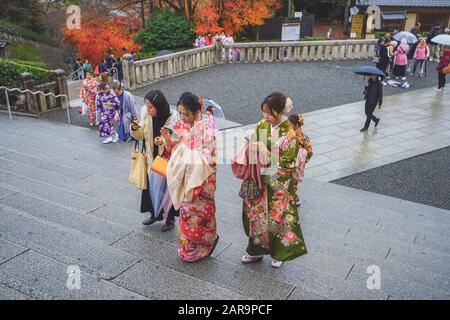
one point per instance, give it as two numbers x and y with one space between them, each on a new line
357 25
290 32
299 14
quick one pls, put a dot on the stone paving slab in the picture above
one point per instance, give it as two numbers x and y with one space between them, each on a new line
9 250
42 278
11 294
87 224
157 282
62 244
221 274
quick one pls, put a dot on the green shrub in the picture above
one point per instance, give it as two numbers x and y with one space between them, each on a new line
379 35
10 73
166 30
424 34
25 52
9 27
315 38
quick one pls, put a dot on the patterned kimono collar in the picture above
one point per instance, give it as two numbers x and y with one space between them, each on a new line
281 124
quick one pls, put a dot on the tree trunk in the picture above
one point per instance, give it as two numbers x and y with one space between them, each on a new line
346 16
143 14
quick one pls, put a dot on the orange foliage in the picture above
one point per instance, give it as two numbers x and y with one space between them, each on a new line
232 16
98 35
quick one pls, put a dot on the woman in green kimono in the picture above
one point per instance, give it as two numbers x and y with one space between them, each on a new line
271 221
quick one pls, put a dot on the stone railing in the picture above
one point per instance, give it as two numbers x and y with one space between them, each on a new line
35 99
302 50
144 72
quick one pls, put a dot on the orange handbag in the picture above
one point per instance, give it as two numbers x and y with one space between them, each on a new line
159 166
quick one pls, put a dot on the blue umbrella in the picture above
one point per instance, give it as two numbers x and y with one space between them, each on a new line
410 38
368 71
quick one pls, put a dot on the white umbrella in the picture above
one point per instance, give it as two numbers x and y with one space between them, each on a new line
442 39
410 38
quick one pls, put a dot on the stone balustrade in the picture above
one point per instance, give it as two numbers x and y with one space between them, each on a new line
144 72
147 71
301 50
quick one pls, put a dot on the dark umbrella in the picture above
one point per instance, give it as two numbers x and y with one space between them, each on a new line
368 71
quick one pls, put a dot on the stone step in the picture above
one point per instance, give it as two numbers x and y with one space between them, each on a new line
382 201
156 282
11 294
400 212
322 248
220 273
9 250
63 244
41 277
90 225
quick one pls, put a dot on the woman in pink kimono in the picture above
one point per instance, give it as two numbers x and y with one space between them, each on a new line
191 178
88 93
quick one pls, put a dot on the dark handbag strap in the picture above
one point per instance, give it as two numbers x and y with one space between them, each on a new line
136 146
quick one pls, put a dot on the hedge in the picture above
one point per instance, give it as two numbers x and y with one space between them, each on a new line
10 73
26 52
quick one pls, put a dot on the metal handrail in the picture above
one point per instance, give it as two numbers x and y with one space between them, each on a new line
34 93
77 72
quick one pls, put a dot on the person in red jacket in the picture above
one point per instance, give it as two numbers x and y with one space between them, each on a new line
443 63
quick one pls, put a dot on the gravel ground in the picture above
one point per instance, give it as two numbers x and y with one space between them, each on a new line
423 179
240 88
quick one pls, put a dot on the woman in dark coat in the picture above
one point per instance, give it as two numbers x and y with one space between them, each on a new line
373 94
383 60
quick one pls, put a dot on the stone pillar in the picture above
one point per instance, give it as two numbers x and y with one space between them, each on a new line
30 99
61 88
319 54
219 51
129 76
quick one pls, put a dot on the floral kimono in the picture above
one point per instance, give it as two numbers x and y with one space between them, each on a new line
306 147
197 222
88 94
106 127
272 222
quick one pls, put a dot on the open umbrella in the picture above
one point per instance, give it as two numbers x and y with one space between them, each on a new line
218 113
157 188
368 71
410 38
442 39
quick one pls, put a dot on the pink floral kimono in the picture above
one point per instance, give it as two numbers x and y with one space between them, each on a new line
192 185
88 94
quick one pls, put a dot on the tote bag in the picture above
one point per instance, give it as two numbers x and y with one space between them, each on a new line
138 167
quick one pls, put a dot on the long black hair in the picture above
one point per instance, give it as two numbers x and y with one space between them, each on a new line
190 101
159 101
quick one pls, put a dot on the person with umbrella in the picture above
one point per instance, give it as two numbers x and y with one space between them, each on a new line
373 93
434 46
420 55
443 68
401 60
149 129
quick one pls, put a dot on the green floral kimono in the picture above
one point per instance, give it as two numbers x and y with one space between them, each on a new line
272 222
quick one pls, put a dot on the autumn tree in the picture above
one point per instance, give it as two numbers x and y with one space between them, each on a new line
98 35
232 16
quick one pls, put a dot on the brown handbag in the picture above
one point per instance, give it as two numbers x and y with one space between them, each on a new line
138 166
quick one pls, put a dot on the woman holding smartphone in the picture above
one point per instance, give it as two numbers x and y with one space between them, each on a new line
149 129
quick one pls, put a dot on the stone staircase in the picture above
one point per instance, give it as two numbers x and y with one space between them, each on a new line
65 200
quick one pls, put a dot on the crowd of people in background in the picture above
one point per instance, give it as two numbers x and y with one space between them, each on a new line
109 65
399 60
208 40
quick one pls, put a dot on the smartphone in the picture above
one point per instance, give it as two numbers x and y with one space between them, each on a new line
171 132
131 120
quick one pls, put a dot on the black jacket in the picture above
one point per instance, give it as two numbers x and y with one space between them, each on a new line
373 93
433 33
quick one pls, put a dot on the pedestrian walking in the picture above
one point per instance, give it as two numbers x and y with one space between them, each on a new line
270 214
88 93
108 106
434 47
383 59
158 115
443 68
191 179
420 55
401 60
373 94
87 67
127 111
